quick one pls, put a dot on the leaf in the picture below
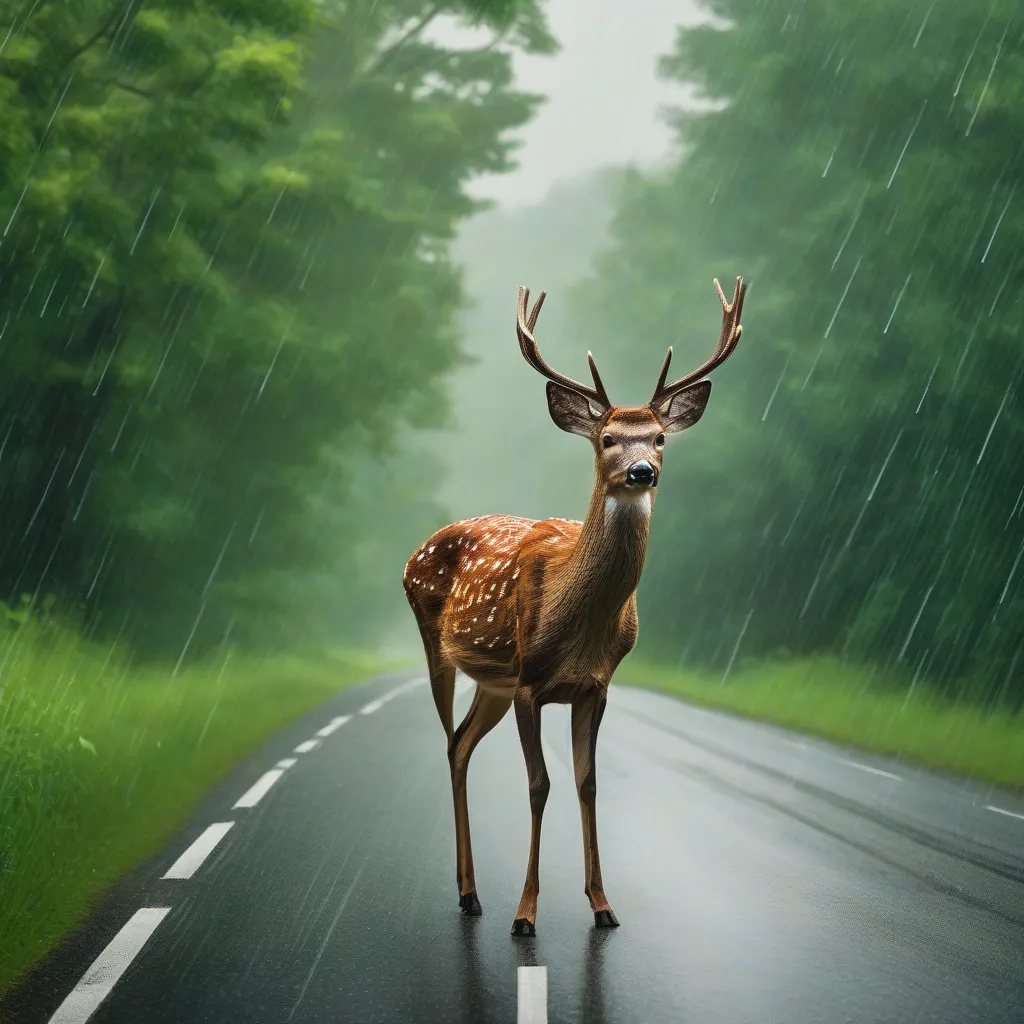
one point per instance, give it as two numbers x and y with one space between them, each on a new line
278 178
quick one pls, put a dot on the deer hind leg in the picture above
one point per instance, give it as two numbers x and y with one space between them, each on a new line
442 673
528 720
586 720
486 711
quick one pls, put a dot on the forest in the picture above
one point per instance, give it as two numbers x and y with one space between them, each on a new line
854 488
228 291
257 342
225 286
860 490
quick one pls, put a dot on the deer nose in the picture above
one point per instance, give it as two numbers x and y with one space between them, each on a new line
640 473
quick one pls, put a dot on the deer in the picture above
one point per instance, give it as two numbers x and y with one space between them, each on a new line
543 611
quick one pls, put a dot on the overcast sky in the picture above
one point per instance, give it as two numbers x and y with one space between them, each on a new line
604 95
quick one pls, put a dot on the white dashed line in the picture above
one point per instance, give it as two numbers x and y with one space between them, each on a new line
533 995
868 768
192 859
376 705
252 796
97 982
333 725
1000 810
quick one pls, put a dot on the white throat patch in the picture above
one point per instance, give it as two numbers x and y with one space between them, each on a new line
640 500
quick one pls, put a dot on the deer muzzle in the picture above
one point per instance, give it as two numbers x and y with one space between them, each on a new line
641 474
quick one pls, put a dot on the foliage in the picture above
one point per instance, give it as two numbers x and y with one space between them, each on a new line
854 485
224 288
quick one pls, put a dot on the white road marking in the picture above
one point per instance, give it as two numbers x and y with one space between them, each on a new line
306 747
97 982
798 745
533 995
192 859
868 768
333 725
376 705
252 796
1000 810
285 762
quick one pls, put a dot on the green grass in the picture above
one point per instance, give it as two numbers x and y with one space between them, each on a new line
848 703
101 762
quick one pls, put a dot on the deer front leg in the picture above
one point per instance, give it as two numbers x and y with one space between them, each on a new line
486 711
586 720
528 720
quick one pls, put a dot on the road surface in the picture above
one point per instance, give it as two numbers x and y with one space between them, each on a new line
759 877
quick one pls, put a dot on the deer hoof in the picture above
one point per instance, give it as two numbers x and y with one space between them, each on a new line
523 927
605 919
470 905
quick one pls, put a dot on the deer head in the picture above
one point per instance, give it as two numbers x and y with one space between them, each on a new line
629 442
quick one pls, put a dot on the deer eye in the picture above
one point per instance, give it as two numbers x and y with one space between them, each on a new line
659 440
608 440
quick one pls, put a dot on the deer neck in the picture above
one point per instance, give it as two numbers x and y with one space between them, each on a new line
605 566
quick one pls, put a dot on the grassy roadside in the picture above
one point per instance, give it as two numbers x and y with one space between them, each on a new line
846 703
101 762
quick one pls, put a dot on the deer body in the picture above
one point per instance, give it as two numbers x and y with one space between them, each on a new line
539 612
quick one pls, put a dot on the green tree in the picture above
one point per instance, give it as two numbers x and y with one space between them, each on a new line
225 265
854 484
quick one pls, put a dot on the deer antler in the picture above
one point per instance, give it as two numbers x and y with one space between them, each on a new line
727 341
531 352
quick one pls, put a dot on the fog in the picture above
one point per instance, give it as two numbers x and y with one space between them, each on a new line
604 96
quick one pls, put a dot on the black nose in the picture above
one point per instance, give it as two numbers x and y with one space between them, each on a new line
640 473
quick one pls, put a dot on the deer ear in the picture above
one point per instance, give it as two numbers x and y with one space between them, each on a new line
685 407
571 411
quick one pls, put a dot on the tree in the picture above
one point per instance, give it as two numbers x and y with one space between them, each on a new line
853 485
226 267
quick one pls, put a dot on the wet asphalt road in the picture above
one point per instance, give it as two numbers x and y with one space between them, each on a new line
759 877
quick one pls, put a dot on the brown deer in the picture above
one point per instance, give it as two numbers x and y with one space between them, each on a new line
543 612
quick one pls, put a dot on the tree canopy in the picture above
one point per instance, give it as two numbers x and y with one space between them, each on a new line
855 484
224 287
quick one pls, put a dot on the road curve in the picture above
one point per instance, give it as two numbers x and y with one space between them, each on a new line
759 876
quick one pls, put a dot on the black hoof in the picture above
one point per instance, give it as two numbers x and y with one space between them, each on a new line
470 905
605 919
523 927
